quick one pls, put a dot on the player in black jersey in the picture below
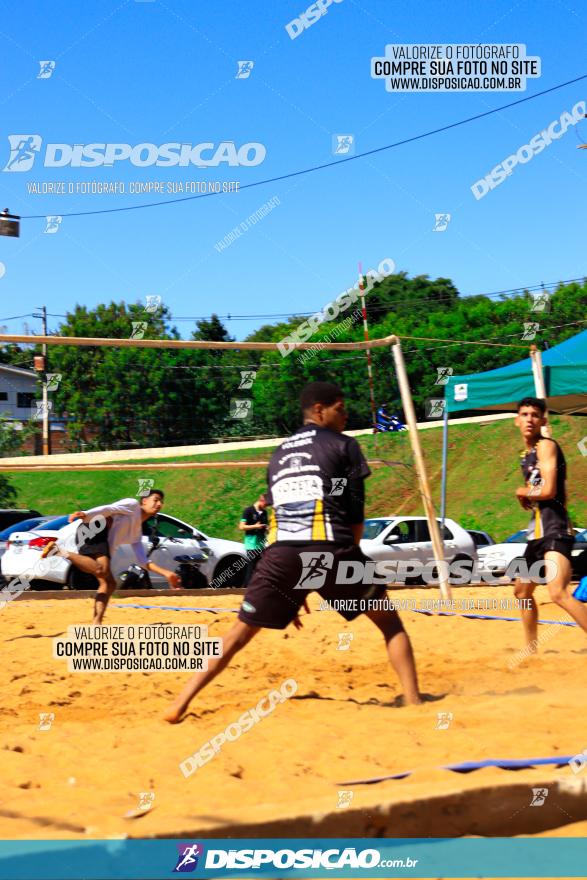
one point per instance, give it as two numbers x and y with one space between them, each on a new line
316 489
550 536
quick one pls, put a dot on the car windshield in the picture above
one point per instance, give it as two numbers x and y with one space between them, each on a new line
374 527
518 538
581 537
168 527
53 524
24 526
481 539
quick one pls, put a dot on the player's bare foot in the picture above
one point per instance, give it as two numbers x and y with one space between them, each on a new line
49 548
172 715
53 549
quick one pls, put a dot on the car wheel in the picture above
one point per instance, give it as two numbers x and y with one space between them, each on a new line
457 579
230 572
462 558
39 584
195 580
515 562
579 564
81 580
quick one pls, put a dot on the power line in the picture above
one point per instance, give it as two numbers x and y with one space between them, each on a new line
374 309
16 317
448 343
313 168
247 366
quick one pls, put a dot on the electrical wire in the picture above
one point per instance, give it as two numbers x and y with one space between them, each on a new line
550 285
16 317
314 168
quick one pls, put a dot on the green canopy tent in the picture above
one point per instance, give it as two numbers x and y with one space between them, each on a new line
564 369
558 374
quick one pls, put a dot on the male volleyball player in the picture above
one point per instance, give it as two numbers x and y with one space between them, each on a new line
550 536
316 488
124 521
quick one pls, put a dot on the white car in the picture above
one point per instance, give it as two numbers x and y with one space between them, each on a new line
407 538
176 538
498 557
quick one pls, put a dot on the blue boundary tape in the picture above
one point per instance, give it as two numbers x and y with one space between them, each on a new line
485 616
417 610
469 766
171 607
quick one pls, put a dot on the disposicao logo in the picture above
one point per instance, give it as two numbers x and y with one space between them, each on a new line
24 149
187 860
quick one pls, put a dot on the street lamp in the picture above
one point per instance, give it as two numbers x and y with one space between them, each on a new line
9 224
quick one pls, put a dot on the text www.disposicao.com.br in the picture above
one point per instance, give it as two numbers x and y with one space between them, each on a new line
134 664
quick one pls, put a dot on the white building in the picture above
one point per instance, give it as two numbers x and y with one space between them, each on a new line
18 390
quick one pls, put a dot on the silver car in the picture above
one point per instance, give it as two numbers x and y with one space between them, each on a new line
407 538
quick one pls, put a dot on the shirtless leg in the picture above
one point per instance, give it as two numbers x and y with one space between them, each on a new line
399 651
529 612
106 585
559 588
233 642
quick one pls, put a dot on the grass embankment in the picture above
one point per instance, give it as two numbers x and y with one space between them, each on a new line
483 473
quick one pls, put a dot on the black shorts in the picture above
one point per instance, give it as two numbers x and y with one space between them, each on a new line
96 544
272 600
536 549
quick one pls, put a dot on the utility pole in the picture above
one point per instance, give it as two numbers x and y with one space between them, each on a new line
46 436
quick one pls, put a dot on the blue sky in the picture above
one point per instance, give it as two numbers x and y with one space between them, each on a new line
163 71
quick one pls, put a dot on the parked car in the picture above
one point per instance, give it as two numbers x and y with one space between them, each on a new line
481 539
407 538
10 516
498 557
19 534
175 538
25 525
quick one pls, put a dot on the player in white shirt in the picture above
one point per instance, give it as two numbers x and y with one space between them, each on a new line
123 525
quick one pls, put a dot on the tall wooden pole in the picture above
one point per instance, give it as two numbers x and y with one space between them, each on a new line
539 385
369 364
410 414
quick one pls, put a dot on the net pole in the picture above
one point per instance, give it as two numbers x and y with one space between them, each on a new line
408 405
369 363
444 462
539 385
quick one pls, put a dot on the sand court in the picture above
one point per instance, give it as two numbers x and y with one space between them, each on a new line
87 755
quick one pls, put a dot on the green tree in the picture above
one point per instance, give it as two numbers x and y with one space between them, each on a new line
123 397
12 440
212 330
160 397
8 494
416 307
10 443
113 396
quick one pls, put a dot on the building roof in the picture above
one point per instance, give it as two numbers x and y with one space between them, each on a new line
8 368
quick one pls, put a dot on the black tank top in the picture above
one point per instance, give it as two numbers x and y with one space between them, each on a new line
549 518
